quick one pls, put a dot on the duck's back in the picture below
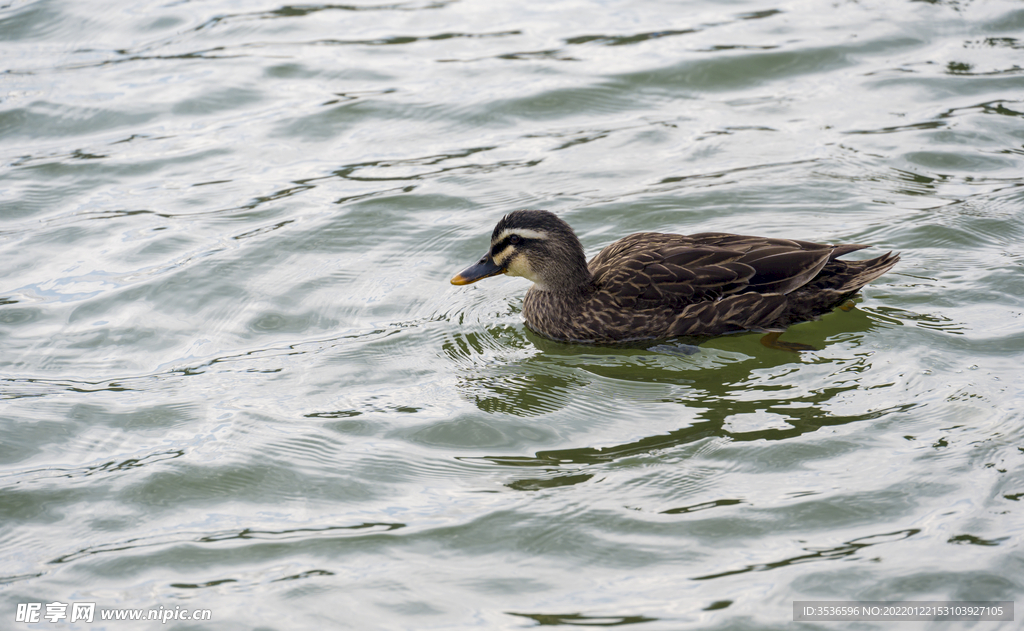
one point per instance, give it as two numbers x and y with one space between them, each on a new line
653 285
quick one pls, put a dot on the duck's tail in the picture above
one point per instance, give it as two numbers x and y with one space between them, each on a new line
850 276
835 284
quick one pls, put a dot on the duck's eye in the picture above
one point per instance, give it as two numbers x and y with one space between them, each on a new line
515 239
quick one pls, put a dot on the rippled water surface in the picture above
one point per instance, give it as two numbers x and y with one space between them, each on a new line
234 375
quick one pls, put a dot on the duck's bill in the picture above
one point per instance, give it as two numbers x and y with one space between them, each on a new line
484 269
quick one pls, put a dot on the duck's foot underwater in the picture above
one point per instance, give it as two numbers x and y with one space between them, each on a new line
771 340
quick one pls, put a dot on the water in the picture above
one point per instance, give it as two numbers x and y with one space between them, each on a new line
234 376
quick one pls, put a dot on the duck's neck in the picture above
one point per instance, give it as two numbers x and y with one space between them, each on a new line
568 276
568 288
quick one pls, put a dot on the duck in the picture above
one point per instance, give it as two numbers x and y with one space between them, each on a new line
652 285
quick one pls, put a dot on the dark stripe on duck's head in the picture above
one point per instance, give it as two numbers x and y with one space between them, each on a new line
531 224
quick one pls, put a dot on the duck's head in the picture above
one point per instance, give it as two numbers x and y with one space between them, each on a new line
536 245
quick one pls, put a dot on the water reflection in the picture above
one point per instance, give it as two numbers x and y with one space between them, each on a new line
577 619
732 388
801 421
847 549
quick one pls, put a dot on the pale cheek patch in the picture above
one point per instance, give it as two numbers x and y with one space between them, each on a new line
519 266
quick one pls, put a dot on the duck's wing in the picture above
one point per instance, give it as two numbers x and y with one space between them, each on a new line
647 269
659 270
